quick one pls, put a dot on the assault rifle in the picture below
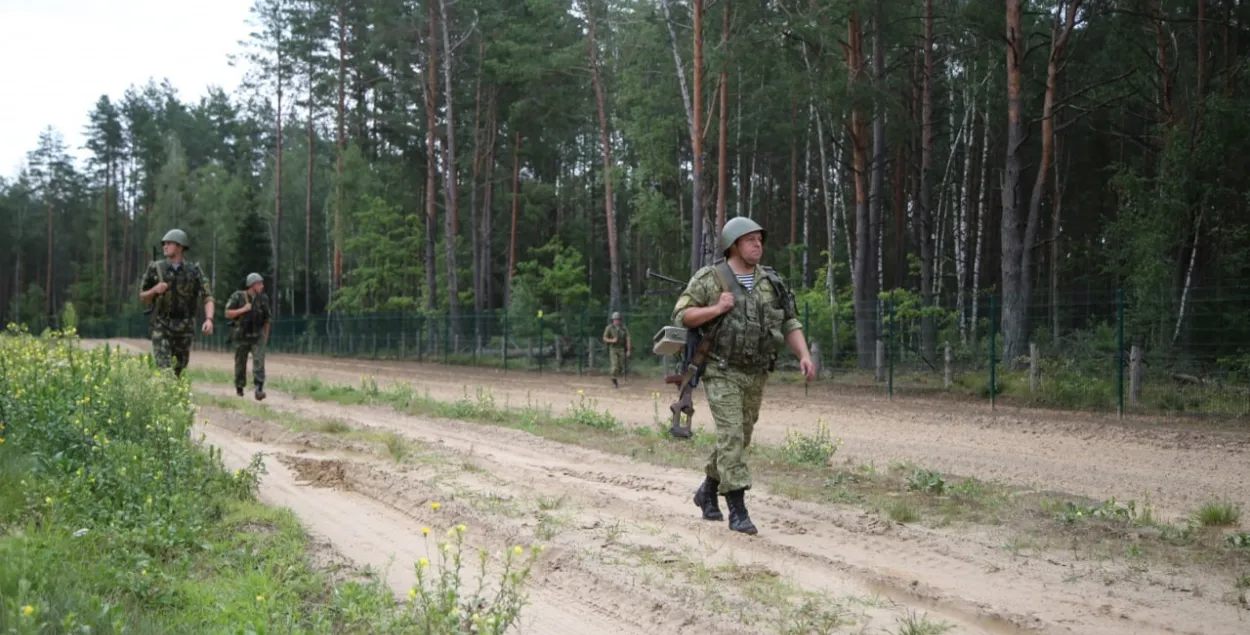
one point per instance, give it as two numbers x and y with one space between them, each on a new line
163 269
693 344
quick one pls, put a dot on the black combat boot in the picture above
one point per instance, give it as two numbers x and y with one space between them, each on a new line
614 384
738 519
260 391
705 499
239 390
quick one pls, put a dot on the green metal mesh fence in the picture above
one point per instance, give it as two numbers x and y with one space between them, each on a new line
1097 351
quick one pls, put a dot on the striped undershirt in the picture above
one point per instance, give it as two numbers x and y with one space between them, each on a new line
746 279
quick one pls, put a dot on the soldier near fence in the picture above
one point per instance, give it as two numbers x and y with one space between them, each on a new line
175 289
249 315
616 336
757 317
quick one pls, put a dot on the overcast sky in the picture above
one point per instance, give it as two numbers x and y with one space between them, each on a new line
61 55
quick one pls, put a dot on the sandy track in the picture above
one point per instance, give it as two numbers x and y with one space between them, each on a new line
1178 464
631 554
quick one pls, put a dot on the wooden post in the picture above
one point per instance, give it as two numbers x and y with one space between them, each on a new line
949 379
1137 361
881 361
1035 371
815 351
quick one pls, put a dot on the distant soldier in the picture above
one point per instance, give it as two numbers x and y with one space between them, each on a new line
757 318
175 289
616 336
248 312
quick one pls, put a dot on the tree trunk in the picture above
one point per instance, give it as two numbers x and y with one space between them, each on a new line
431 183
692 122
342 147
961 235
877 192
1056 213
696 140
277 202
475 233
865 282
807 199
722 170
308 183
983 208
104 238
928 326
47 296
450 189
488 208
614 257
794 182
516 203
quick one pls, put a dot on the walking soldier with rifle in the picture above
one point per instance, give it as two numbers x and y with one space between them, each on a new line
616 336
248 311
741 314
175 288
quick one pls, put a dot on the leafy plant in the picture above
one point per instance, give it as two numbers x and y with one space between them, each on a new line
815 449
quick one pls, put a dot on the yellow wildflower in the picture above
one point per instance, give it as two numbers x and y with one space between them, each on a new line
28 610
412 593
517 550
260 598
424 562
425 531
434 506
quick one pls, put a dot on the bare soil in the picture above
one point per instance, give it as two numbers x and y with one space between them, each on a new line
627 551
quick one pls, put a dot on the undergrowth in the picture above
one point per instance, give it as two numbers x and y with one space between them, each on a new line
114 519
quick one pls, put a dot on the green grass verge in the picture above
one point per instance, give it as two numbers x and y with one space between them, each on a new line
113 519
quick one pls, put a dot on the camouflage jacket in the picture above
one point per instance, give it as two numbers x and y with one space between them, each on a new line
621 333
751 335
188 291
250 324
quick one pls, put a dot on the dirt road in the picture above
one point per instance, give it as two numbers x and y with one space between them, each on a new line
1177 465
627 553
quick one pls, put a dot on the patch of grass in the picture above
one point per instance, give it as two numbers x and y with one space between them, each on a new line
913 624
927 481
548 503
1217 514
399 447
902 510
815 449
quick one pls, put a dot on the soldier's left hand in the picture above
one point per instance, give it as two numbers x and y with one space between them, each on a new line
808 368
207 327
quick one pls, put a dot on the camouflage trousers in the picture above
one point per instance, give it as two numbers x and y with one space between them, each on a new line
617 357
171 346
734 398
242 347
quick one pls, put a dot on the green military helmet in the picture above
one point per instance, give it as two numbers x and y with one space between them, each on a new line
253 278
736 228
616 315
176 236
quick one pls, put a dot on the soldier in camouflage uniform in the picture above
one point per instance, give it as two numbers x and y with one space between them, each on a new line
616 336
176 289
248 312
757 317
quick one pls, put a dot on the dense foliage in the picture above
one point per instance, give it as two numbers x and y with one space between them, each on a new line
441 156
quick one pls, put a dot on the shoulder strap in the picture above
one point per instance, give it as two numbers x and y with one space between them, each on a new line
729 280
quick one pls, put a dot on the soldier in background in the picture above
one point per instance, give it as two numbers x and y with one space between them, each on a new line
757 318
616 336
175 289
249 315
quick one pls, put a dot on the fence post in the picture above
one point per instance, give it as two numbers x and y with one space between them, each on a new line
1136 360
889 350
993 351
505 341
447 338
806 304
1119 352
949 376
541 343
1035 361
581 340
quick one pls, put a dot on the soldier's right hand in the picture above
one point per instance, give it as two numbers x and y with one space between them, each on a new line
246 307
160 288
726 302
